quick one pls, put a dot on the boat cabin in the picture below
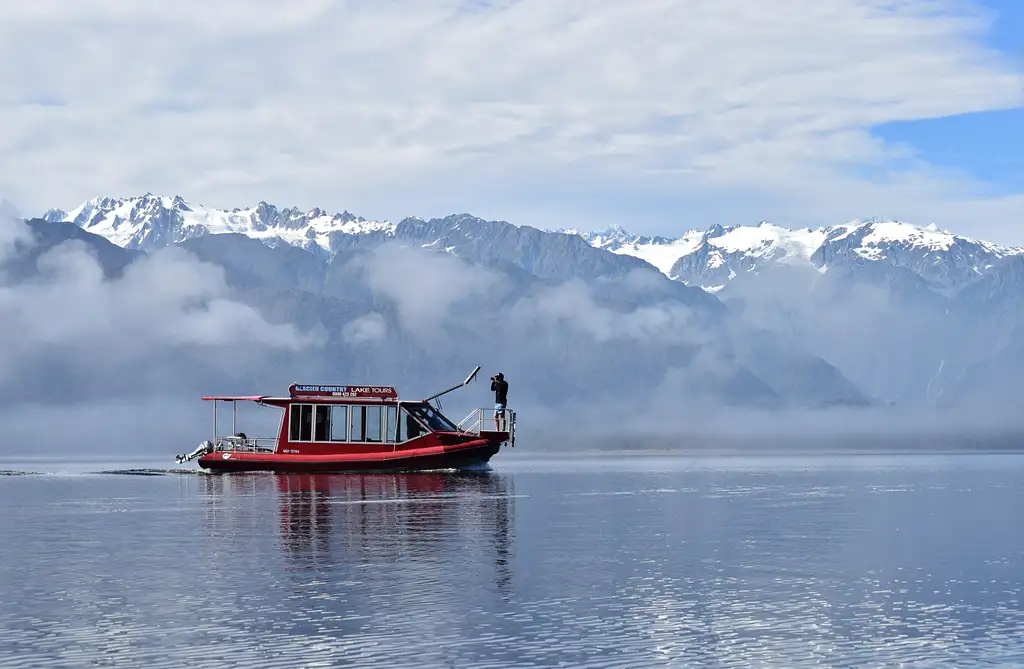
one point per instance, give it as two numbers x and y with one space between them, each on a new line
356 416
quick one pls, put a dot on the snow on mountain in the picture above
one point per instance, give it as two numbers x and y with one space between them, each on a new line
769 241
150 221
661 252
878 237
710 259
713 257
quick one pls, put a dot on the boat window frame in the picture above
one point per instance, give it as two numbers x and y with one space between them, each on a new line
295 408
295 424
391 426
318 410
404 413
390 429
364 412
404 407
423 421
344 423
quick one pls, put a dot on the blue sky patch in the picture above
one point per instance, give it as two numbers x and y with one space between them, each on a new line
987 145
1007 33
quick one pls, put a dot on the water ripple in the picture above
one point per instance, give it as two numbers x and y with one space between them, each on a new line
733 568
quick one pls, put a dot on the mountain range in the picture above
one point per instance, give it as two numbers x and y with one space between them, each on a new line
912 314
868 312
710 258
714 257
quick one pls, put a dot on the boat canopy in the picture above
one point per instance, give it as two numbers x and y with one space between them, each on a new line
239 398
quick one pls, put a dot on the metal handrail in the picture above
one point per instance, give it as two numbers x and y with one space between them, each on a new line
233 443
247 444
476 421
465 420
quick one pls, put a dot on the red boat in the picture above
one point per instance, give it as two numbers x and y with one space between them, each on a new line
333 428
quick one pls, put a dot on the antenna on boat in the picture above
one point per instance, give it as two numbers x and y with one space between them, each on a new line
469 379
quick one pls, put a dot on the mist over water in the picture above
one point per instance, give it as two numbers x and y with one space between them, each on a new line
153 428
562 560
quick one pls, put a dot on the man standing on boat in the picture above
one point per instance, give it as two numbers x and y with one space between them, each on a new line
500 387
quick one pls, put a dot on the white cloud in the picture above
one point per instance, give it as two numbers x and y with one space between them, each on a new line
572 305
167 299
364 329
169 303
532 111
225 17
13 231
424 285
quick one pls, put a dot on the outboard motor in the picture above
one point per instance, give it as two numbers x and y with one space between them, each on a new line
203 449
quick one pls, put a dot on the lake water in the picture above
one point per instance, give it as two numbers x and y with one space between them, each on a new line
600 561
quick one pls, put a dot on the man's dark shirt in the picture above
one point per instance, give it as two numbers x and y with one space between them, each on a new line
500 389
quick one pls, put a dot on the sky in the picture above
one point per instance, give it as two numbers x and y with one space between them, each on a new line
657 115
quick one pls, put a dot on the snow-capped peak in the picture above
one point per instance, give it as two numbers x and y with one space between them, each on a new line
768 240
720 253
762 240
151 221
889 232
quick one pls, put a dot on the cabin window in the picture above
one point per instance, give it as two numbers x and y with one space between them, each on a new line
301 423
373 419
390 423
409 427
339 423
358 432
366 423
432 418
306 423
322 425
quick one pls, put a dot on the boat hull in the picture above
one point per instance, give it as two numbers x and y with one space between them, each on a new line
458 456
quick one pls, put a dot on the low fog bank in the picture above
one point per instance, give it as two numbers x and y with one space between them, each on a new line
152 427
666 425
162 426
142 427
900 337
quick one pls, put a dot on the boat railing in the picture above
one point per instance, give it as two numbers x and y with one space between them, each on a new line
244 444
482 421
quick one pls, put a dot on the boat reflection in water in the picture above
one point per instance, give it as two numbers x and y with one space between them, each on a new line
433 520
